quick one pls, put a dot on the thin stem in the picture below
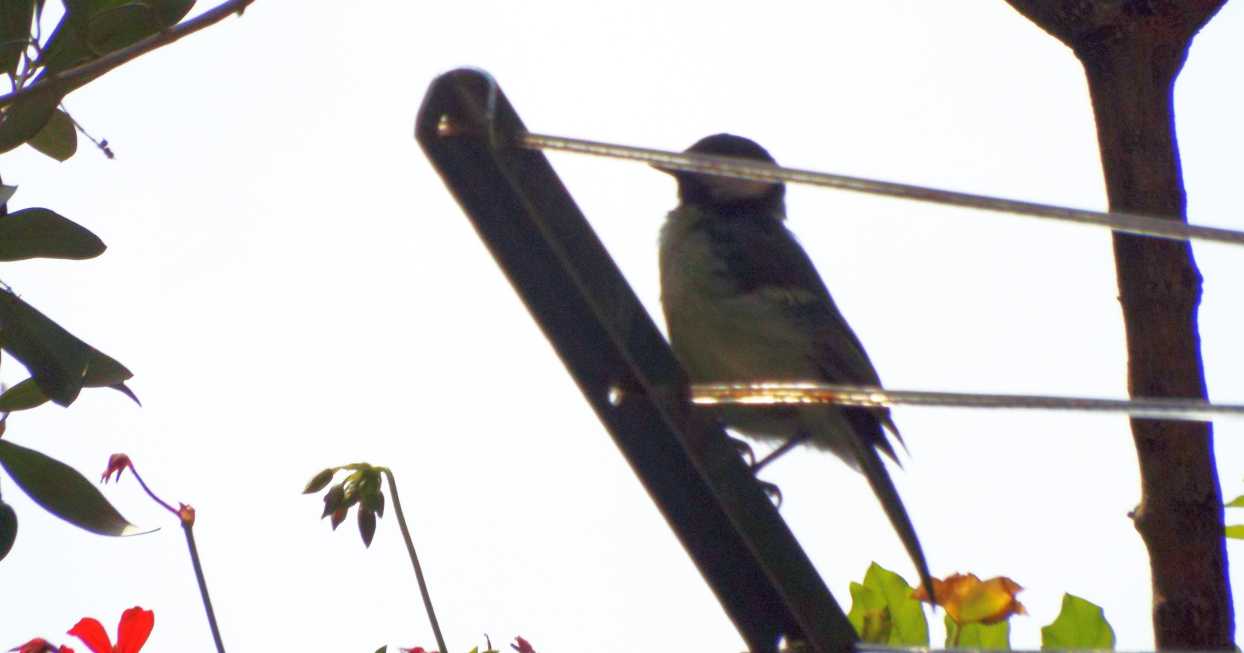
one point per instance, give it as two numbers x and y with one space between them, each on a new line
186 516
28 66
151 494
101 145
414 560
188 527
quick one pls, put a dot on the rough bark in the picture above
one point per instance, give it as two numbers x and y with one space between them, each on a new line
1132 50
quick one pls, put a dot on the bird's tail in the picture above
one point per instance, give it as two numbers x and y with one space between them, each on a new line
890 426
879 478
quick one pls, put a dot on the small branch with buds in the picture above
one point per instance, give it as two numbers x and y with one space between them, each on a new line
120 462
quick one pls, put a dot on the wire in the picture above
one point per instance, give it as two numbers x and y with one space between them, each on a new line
785 393
762 171
779 393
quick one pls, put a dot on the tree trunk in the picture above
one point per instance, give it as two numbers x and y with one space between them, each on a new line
1132 50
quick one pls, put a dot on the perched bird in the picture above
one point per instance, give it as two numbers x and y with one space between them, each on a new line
744 303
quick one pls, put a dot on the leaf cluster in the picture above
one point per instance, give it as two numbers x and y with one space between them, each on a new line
87 30
361 488
886 610
39 67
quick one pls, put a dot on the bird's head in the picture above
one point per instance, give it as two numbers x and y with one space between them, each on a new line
727 192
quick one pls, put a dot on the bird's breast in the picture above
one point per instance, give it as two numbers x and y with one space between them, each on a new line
719 332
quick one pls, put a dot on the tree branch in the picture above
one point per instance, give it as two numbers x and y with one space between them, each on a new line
1132 52
80 74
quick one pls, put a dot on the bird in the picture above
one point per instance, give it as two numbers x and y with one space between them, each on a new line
743 302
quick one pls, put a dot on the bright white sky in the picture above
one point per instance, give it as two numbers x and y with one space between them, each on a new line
294 288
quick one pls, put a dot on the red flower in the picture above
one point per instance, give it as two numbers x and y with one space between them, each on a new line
136 624
417 649
117 463
522 645
40 645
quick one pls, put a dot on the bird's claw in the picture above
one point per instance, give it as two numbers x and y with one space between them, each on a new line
772 491
745 450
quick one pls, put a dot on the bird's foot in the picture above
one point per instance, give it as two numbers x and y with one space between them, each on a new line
745 450
772 491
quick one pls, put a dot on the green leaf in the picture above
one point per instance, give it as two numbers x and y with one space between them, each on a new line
101 372
59 362
1080 624
910 626
125 390
62 491
56 358
58 139
91 28
42 233
16 17
6 192
367 525
66 47
87 30
8 529
995 637
333 499
104 371
372 500
382 649
172 11
116 27
26 117
883 607
1235 532
869 615
1237 502
23 396
317 482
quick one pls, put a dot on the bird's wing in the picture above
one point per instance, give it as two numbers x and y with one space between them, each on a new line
836 351
779 269
789 279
